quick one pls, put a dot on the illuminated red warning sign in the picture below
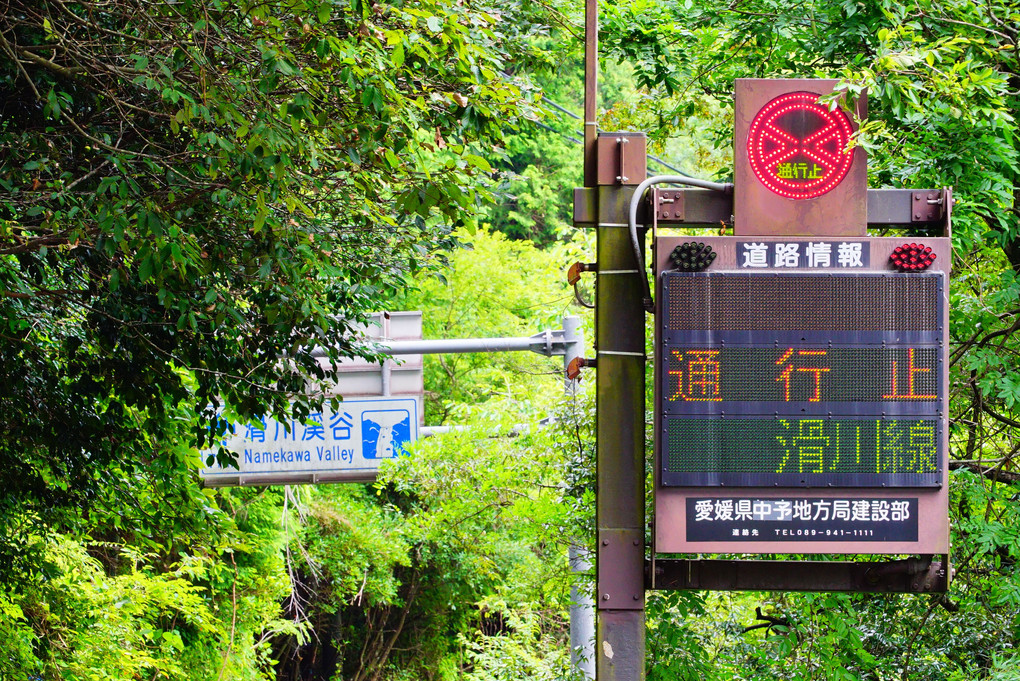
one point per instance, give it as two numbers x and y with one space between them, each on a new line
798 147
794 173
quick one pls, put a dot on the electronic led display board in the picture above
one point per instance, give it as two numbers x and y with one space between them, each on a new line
884 307
811 377
801 379
800 452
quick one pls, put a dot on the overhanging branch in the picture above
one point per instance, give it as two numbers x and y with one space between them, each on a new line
994 474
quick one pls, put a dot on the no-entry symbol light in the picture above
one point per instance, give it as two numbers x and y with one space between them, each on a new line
798 147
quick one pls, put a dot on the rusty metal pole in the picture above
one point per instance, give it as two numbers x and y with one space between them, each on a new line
620 449
619 400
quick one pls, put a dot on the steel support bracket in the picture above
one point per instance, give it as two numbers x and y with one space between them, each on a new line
897 207
622 158
620 560
927 206
548 343
669 204
552 342
927 574
586 206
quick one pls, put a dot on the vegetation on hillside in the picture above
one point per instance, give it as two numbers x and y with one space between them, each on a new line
195 194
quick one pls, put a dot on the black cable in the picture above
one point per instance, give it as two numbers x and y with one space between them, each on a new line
576 117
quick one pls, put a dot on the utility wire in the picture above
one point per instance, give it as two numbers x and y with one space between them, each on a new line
568 112
573 139
681 178
561 134
573 115
560 108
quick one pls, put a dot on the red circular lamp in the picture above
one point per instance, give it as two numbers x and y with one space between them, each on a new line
797 147
912 257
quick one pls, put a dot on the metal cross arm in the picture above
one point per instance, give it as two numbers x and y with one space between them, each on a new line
551 342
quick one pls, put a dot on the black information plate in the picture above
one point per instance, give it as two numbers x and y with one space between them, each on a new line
746 519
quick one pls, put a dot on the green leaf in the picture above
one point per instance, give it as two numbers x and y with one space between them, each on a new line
478 162
325 12
145 269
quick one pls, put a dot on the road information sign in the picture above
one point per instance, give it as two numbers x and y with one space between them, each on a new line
801 399
346 444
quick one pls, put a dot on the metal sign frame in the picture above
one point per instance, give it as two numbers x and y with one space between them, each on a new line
672 503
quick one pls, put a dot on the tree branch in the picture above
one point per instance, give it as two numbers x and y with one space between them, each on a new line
999 417
21 67
995 474
65 71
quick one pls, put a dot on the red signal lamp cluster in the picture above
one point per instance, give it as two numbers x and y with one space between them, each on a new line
912 257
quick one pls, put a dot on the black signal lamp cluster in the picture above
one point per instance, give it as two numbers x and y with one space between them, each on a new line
912 257
692 256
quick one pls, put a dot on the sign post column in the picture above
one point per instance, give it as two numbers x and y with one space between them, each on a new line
620 419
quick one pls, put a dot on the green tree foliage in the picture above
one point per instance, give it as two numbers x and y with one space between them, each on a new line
108 610
543 160
194 195
540 164
943 104
454 564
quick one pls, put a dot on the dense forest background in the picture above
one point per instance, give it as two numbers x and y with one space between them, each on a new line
195 194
